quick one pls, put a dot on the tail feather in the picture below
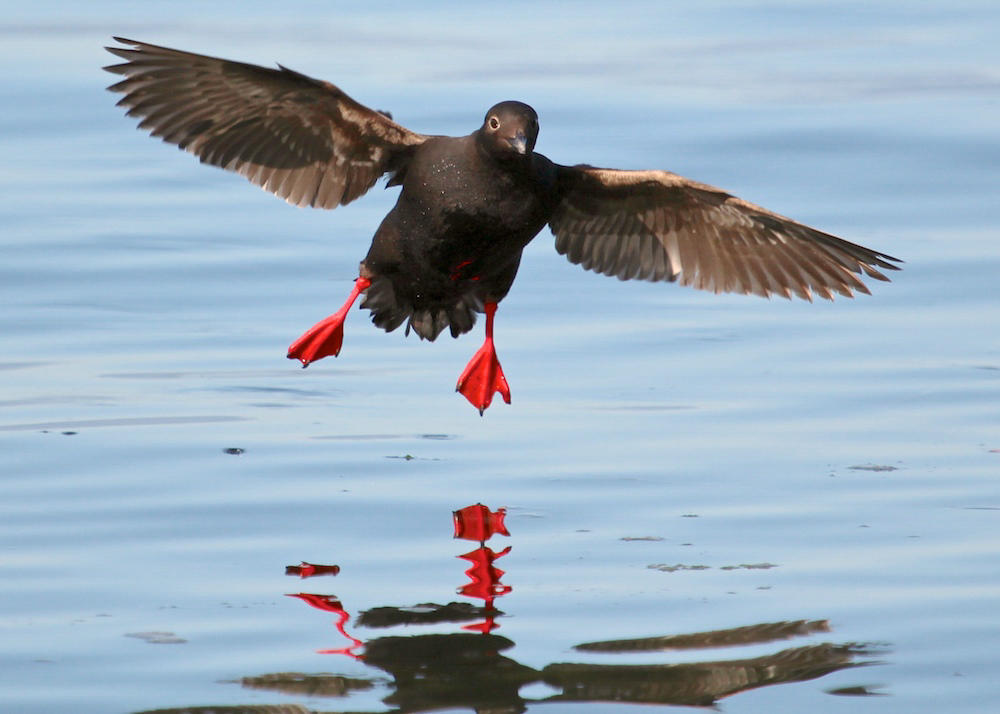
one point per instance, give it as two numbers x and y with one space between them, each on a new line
389 311
380 298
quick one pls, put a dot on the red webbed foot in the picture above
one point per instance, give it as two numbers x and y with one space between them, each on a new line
326 337
483 377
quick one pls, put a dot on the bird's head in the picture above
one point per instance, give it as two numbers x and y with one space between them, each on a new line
509 129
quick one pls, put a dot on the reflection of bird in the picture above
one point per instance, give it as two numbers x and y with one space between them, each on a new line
752 634
452 244
696 683
466 671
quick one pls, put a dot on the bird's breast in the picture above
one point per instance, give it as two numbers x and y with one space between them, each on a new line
460 200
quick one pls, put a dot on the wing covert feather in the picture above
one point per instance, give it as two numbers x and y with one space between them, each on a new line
300 138
656 225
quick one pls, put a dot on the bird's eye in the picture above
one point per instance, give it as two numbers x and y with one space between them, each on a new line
494 123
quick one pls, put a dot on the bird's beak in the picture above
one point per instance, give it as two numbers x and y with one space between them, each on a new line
519 142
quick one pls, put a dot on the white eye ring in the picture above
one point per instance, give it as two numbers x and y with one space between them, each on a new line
494 123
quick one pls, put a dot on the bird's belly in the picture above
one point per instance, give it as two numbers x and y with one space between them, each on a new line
457 248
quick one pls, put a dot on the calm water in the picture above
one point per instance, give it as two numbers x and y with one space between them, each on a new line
774 506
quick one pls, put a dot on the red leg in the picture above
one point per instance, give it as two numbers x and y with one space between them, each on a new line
326 336
483 376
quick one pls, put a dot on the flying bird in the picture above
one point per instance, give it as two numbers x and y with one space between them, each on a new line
450 247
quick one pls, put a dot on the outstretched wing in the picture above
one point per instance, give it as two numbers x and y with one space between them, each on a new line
300 138
656 225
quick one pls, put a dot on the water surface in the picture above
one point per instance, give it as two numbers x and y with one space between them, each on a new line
772 506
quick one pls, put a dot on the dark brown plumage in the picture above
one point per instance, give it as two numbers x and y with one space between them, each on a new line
451 246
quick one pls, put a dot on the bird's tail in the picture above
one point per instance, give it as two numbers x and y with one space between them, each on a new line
390 310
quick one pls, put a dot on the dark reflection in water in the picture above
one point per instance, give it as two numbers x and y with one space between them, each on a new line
467 670
698 684
734 636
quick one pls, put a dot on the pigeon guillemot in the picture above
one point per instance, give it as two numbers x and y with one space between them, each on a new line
451 245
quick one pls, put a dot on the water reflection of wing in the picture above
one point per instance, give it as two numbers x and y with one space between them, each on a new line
307 685
732 637
698 684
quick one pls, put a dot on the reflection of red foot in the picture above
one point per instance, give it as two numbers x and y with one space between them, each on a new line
308 570
483 377
326 337
479 523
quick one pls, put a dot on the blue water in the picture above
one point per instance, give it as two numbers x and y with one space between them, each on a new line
673 463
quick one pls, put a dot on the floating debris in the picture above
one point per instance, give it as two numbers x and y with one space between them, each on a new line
157 638
664 568
861 690
749 566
